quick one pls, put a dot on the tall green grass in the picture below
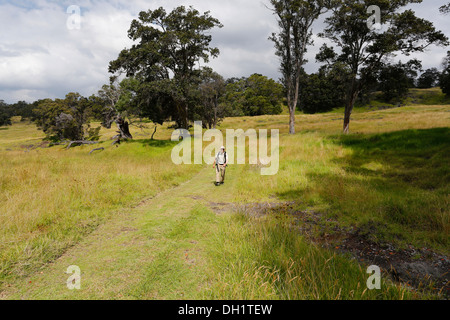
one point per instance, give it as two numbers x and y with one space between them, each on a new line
266 258
397 181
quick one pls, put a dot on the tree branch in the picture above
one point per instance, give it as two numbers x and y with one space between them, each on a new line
98 149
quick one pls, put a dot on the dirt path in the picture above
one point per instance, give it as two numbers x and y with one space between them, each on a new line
154 251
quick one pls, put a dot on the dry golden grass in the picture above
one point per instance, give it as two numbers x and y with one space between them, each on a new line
404 118
51 197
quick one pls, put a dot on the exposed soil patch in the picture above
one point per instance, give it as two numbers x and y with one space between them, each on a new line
220 208
415 268
30 147
259 209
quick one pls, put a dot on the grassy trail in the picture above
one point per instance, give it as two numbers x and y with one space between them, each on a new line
154 251
177 246
188 241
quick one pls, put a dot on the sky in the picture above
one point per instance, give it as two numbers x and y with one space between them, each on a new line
42 55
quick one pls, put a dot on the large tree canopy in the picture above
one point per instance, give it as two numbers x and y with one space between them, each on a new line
166 59
363 47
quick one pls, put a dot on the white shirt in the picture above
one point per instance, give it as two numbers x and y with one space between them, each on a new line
220 158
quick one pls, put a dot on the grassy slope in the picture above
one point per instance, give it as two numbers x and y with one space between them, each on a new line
393 170
174 246
52 198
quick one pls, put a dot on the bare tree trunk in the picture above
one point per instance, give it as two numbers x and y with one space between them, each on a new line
154 132
293 96
353 95
215 112
295 99
124 129
348 113
291 120
186 118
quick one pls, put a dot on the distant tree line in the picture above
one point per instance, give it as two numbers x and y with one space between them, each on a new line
323 91
19 109
5 114
120 103
253 96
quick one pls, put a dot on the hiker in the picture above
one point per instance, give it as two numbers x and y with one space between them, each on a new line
220 164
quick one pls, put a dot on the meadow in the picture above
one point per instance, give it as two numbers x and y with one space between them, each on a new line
128 210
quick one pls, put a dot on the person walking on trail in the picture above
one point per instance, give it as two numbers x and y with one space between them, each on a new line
220 164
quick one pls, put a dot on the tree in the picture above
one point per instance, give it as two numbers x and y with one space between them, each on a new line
5 114
253 96
66 119
233 98
262 96
165 60
211 90
428 79
111 97
322 91
295 20
444 80
395 80
363 47
445 9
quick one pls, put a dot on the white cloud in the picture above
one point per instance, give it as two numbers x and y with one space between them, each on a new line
42 58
